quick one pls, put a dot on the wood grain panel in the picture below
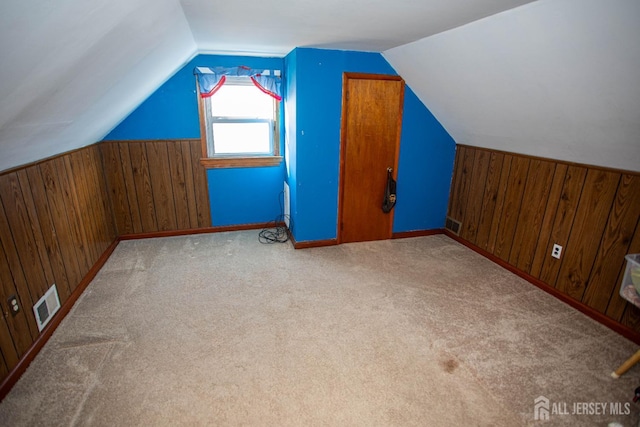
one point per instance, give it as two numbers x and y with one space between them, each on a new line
117 188
489 200
23 252
76 212
456 181
593 212
89 160
22 332
144 192
78 237
36 229
462 182
3 366
550 210
502 191
529 223
48 228
511 208
201 188
99 204
129 188
178 185
563 221
609 260
7 346
188 166
58 211
80 178
588 226
156 185
161 185
14 268
473 210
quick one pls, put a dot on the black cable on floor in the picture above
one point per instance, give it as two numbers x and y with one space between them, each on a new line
277 233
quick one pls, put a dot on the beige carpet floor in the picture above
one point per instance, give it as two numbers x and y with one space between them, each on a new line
219 329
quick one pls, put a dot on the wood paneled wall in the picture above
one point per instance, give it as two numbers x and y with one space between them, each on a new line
517 207
55 222
156 185
59 216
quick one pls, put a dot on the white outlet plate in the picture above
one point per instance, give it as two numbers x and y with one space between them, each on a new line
556 251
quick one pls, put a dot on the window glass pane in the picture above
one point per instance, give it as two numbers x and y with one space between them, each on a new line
241 138
241 101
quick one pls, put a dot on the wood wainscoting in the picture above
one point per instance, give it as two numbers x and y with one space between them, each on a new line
517 207
60 219
55 226
156 185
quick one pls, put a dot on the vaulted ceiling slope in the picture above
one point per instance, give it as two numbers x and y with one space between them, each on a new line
553 78
71 70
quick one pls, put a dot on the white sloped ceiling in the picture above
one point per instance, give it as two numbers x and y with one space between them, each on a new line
551 78
71 70
554 78
278 26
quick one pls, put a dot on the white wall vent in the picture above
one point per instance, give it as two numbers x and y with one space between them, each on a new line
46 307
287 205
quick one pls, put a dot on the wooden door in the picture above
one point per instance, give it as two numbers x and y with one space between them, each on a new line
371 123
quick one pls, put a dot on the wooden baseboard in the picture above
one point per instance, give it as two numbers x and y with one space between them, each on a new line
314 244
615 326
311 243
215 229
417 233
333 242
42 339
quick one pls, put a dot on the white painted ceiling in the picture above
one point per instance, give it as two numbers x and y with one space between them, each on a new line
553 78
71 70
278 26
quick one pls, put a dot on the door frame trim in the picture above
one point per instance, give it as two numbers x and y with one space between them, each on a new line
343 132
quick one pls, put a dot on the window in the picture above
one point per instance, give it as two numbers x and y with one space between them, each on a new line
241 125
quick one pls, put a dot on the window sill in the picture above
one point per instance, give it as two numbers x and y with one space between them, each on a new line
240 162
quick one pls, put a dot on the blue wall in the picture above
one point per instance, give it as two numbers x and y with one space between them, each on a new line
237 195
311 143
427 154
426 149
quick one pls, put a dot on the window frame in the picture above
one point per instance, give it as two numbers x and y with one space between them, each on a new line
242 159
